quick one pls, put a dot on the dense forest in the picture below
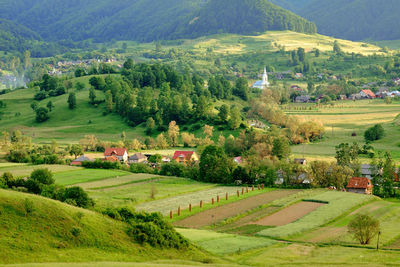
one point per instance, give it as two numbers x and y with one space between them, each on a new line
244 17
355 20
146 20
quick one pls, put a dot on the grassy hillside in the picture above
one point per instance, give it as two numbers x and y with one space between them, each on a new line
35 229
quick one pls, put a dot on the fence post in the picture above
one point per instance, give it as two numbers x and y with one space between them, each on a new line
226 196
217 198
247 189
201 203
212 201
179 211
262 186
171 215
252 187
242 190
238 193
258 186
190 207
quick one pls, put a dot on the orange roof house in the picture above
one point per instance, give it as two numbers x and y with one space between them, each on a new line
367 93
120 153
361 185
185 156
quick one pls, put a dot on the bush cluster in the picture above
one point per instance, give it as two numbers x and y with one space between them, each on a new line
149 228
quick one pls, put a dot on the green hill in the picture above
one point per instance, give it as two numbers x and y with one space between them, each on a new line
146 20
15 37
243 17
355 20
36 229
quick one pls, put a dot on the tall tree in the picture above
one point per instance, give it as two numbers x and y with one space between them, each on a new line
173 133
71 101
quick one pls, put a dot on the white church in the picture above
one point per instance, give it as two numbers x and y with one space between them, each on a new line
262 84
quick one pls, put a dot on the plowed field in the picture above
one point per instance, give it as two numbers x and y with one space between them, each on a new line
289 214
208 217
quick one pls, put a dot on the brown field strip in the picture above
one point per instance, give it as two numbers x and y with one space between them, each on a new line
289 214
208 217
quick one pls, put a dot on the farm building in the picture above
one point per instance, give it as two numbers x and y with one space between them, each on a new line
303 99
367 94
360 185
185 156
137 158
78 161
120 153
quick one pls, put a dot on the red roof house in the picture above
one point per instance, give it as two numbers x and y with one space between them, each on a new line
367 93
185 156
120 153
361 185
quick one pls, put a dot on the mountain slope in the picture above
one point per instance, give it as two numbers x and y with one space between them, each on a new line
37 229
15 37
243 17
147 20
356 19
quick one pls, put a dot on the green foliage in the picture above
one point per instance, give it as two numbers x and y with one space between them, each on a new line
281 148
79 197
374 133
42 114
42 176
364 228
173 169
215 166
71 101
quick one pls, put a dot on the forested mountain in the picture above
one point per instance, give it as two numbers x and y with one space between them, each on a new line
15 37
355 19
243 17
147 20
292 5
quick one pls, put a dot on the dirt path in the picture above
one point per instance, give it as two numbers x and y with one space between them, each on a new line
208 217
289 214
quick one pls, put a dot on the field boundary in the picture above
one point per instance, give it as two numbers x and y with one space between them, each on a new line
126 183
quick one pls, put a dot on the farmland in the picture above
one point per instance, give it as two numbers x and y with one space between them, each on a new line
346 117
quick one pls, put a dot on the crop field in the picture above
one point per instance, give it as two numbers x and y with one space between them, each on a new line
119 180
347 117
388 213
219 243
339 203
86 175
289 214
219 214
23 170
132 194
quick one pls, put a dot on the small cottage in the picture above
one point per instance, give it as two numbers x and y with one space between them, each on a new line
185 157
360 185
78 161
137 158
120 153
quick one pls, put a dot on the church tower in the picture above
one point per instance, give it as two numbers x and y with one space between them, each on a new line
265 82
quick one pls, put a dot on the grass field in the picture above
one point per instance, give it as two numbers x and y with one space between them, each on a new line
347 117
23 170
219 243
86 175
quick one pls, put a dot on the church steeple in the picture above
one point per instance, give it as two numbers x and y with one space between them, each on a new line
265 82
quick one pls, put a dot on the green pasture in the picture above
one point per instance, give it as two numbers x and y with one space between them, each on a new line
24 170
300 254
132 194
86 175
346 117
339 203
220 244
388 214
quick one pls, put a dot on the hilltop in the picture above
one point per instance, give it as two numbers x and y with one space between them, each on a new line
42 230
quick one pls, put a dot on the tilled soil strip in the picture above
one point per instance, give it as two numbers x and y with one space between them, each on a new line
221 213
289 214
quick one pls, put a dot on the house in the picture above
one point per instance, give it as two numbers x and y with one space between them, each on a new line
366 93
300 161
360 185
112 159
120 153
355 97
137 158
165 159
299 75
78 161
185 156
303 99
238 160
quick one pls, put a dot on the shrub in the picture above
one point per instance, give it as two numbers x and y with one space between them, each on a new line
42 176
79 196
42 114
141 168
374 133
28 206
40 96
8 180
172 169
76 231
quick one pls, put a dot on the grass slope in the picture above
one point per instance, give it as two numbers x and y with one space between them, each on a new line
45 234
